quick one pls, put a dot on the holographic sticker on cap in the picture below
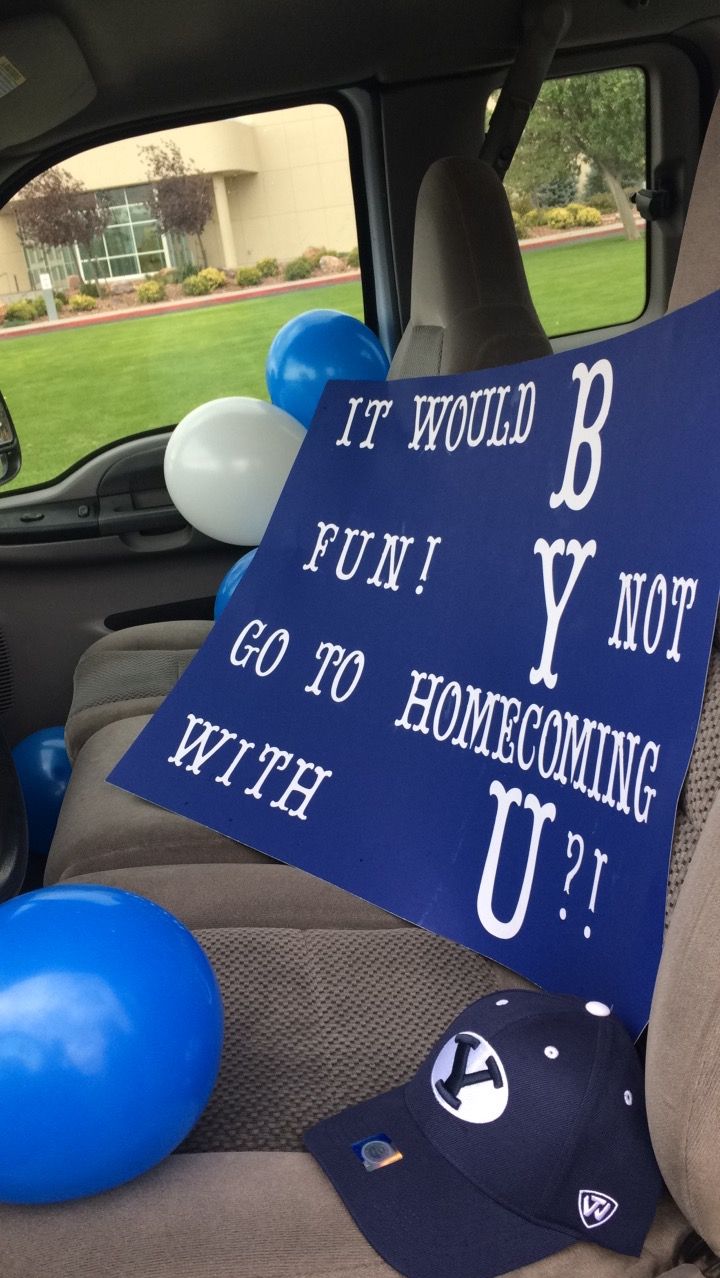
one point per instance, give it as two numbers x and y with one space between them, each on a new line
375 1152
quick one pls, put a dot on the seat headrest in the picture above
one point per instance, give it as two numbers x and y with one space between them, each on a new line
470 303
698 267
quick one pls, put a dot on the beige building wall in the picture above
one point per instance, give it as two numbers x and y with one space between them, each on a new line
281 184
226 146
301 195
13 270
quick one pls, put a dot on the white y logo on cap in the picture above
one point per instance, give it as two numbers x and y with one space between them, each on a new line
468 1079
595 1208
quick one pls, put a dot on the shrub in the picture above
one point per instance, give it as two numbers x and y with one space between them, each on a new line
267 267
583 215
246 276
520 203
535 217
61 297
39 307
521 226
151 291
300 268
559 219
89 289
602 201
214 277
82 302
186 270
558 192
352 258
196 286
313 255
19 312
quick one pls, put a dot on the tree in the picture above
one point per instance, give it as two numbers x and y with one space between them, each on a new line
56 210
181 197
598 118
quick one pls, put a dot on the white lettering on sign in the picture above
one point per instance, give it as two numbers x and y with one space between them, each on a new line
555 608
350 664
200 744
682 598
451 420
353 551
304 784
377 409
557 744
540 812
267 656
585 435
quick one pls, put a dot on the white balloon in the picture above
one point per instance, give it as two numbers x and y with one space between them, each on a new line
226 464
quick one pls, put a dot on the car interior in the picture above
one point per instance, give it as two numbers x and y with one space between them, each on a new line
99 619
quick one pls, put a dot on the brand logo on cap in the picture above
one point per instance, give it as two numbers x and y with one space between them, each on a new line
595 1208
468 1079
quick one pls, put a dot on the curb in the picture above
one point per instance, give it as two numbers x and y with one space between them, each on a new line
572 237
167 308
531 245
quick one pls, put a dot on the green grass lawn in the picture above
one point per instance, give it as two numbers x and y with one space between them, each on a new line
587 284
72 391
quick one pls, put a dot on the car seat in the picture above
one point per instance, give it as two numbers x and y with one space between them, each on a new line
354 1005
470 309
353 1009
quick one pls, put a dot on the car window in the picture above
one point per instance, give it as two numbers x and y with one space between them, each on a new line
173 259
582 156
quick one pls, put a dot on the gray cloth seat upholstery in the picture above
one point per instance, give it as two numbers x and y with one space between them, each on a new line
128 673
355 1007
358 996
101 827
470 309
248 1215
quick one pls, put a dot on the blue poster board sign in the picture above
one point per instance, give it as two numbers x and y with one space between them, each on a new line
463 675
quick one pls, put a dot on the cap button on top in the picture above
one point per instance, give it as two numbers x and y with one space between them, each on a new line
597 1009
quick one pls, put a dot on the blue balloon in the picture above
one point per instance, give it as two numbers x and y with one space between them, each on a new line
314 348
110 1039
230 581
44 770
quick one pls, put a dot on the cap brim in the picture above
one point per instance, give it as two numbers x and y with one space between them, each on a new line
420 1213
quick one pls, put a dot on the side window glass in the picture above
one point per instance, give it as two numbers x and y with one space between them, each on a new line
582 155
172 260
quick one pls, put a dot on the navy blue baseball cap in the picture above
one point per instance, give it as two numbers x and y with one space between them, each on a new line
522 1132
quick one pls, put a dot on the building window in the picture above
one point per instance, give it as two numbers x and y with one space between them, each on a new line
132 243
58 263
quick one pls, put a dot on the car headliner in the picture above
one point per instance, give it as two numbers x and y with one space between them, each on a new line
154 60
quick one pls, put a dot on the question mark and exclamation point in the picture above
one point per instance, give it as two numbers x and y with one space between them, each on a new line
600 860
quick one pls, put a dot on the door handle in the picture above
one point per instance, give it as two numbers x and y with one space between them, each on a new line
119 515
